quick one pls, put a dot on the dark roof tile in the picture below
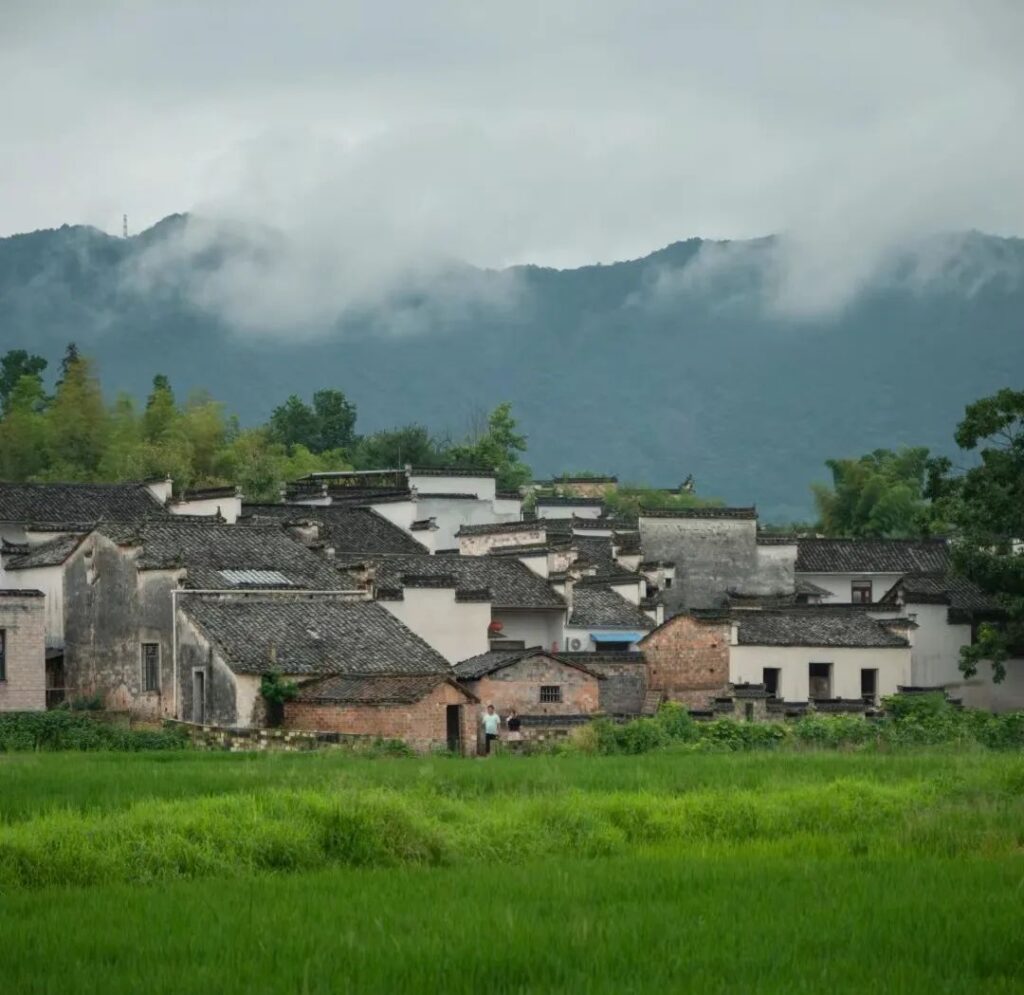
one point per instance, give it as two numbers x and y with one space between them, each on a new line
812 627
598 607
76 504
872 556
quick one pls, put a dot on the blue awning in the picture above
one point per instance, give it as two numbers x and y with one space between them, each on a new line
617 637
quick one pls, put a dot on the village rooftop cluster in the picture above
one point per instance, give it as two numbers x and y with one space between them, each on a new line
400 603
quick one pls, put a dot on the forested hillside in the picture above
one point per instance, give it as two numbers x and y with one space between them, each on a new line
654 369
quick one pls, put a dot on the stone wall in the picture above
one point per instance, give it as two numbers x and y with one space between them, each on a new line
421 724
624 683
23 621
688 659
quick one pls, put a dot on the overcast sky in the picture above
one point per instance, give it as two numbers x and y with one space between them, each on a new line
554 132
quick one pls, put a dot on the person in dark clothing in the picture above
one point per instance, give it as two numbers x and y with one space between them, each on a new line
514 725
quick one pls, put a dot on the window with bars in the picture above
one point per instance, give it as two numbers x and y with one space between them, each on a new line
150 666
550 693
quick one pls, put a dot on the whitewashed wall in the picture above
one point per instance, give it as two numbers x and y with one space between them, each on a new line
456 629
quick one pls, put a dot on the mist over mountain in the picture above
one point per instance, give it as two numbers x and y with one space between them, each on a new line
746 364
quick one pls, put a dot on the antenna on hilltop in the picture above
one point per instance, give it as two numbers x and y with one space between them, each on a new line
124 225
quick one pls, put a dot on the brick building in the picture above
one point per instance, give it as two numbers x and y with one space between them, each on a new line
688 657
22 651
542 687
426 711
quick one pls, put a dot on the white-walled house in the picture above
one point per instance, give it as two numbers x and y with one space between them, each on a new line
569 507
814 653
601 618
212 502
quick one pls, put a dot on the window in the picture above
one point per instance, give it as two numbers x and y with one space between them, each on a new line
869 685
550 693
3 654
668 582
770 676
819 680
860 592
150 666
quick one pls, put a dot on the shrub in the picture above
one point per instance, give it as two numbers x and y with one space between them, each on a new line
67 730
641 736
675 720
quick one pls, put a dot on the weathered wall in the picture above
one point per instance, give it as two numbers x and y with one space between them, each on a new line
484 488
22 618
479 545
49 580
456 629
452 513
422 724
111 608
776 567
713 555
624 686
688 659
225 706
747 663
518 687
229 508
567 510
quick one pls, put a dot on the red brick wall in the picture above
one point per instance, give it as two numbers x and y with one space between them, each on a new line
421 724
688 659
519 686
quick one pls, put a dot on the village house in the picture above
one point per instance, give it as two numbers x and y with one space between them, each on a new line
22 651
568 507
120 584
603 618
624 689
525 610
550 693
361 672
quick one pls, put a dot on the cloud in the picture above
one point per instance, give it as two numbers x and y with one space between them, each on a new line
377 143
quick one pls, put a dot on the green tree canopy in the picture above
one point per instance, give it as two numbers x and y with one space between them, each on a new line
14 365
326 425
76 422
985 507
395 447
498 447
880 494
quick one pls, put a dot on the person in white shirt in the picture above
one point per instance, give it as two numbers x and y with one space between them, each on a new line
492 724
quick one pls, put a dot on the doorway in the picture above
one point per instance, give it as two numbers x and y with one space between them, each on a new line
819 680
770 677
869 685
198 697
453 715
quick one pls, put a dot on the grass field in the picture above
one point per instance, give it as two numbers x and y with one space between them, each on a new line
812 872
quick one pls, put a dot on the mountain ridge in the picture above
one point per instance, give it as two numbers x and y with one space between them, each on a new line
676 362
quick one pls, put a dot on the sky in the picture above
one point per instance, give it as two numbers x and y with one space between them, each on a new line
559 132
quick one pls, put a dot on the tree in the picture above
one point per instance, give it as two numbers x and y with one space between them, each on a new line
335 421
76 422
24 453
498 449
880 494
15 364
294 423
161 415
395 447
985 507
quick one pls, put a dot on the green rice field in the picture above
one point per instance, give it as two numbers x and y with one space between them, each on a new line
666 872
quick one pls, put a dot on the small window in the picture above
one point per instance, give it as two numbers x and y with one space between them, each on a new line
668 582
860 592
770 678
150 666
550 693
3 654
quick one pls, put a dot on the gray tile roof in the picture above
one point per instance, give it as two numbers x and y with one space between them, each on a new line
314 635
569 502
812 627
487 663
344 528
744 513
596 607
206 550
76 504
872 556
512 584
957 592
342 689
47 554
497 528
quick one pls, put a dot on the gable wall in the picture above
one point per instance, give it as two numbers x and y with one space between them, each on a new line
688 660
456 629
518 687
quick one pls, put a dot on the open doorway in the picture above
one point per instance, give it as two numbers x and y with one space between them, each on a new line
199 697
771 678
819 680
869 685
453 715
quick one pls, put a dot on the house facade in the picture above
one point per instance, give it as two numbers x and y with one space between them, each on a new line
22 651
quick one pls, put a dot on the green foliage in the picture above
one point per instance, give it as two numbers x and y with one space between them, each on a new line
274 688
498 447
631 499
76 422
328 424
75 729
880 494
392 448
985 507
14 365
